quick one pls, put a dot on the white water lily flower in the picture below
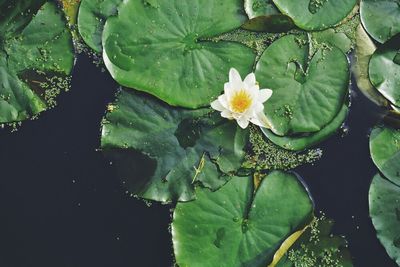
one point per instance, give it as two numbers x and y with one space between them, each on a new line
243 101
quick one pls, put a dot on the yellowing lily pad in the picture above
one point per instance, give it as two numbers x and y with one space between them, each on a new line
307 93
237 225
164 49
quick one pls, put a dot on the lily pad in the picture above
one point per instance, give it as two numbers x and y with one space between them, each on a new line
36 56
163 48
384 209
91 19
316 246
238 226
298 143
381 18
181 148
16 15
265 17
385 152
384 70
308 93
329 38
256 8
314 15
365 48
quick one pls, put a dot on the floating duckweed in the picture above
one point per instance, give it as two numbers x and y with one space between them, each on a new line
285 111
315 5
301 41
344 36
255 40
314 250
53 86
264 155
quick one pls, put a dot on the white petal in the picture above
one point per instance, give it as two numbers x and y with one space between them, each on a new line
217 105
258 107
227 87
260 119
228 90
223 100
264 95
226 114
250 80
234 77
243 122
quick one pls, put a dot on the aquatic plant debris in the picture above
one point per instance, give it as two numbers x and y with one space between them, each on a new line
264 155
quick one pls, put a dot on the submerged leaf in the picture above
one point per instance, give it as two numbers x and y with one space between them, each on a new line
173 149
36 56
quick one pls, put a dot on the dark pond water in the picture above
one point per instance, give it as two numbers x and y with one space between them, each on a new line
62 206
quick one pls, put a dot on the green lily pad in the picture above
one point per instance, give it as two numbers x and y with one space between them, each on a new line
384 209
316 14
384 70
92 16
180 148
36 56
308 94
16 15
317 246
163 49
265 17
329 38
385 152
298 143
381 18
365 48
238 226
256 8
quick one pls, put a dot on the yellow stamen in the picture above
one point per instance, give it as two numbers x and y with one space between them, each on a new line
240 101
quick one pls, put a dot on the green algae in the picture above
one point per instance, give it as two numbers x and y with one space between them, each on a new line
264 155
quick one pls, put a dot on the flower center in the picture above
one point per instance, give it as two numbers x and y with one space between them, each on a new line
240 101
